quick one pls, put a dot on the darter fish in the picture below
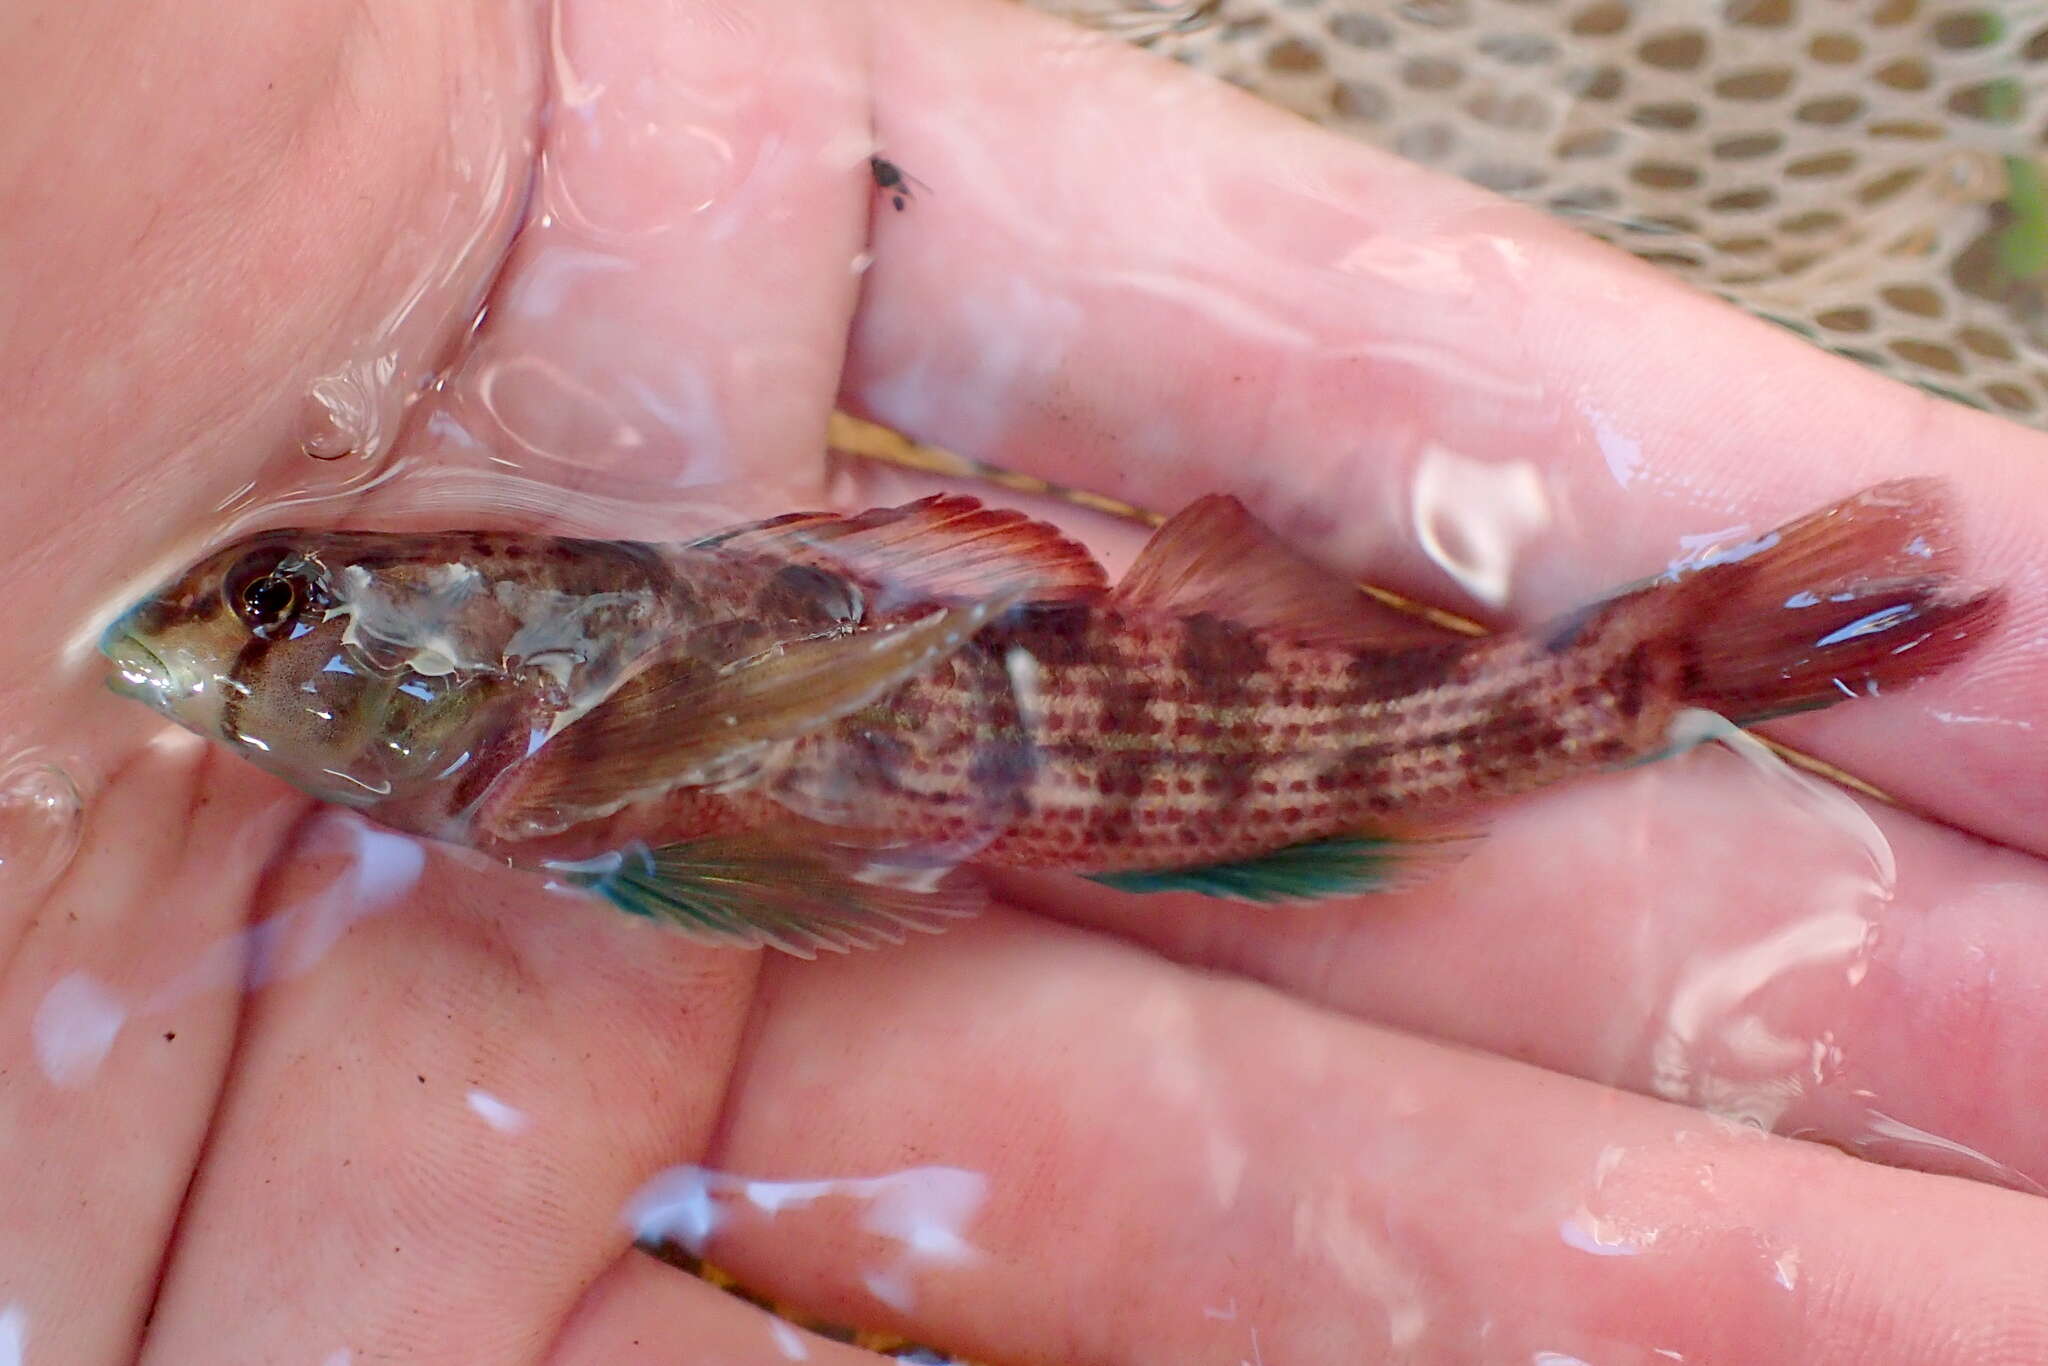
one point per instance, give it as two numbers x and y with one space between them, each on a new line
792 732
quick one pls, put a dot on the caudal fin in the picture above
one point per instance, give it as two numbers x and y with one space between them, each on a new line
1854 600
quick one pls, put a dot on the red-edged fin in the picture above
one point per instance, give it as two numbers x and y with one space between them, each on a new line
946 548
689 722
1901 529
1856 642
794 889
1820 609
1215 557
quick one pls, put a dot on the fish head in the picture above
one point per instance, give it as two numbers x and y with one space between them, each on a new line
262 647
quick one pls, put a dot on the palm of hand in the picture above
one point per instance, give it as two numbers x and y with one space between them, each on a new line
413 1141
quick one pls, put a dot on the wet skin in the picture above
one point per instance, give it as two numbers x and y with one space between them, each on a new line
1220 299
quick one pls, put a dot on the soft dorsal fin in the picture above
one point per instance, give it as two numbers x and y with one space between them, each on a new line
946 548
1213 556
683 721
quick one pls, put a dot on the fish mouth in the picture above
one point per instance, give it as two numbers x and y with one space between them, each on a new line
139 672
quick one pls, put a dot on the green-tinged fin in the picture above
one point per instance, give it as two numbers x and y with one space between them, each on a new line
1348 866
782 890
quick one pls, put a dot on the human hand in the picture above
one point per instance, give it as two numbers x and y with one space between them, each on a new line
1425 1129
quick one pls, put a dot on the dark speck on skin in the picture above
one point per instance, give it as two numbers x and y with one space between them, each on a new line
890 178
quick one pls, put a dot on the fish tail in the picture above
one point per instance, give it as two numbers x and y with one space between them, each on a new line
1856 599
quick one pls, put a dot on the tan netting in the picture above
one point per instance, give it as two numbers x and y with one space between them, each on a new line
1865 172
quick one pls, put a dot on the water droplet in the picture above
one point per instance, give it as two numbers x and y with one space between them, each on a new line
505 1118
1886 1139
13 1335
1137 21
1473 516
41 814
75 1027
924 1210
1726 1045
1590 1233
788 1341
345 411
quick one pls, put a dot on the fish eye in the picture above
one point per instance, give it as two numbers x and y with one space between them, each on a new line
267 601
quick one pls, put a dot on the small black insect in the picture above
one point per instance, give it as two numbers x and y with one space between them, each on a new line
892 180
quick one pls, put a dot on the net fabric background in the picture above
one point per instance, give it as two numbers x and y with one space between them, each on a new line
1866 172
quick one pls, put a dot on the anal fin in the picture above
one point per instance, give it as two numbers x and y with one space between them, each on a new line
1348 865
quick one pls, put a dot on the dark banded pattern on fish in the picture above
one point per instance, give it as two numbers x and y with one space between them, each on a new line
790 732
1139 761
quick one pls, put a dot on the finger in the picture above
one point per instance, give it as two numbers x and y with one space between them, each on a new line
677 305
640 1312
195 274
448 1084
195 284
109 1065
1175 1162
1168 289
1698 931
187 286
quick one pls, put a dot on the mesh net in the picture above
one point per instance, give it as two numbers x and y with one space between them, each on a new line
1865 172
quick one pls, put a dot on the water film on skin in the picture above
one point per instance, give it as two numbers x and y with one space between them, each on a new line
1711 1010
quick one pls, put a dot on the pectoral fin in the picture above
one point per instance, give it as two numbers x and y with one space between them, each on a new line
783 889
680 719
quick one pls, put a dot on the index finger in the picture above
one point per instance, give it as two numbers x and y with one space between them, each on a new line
1168 288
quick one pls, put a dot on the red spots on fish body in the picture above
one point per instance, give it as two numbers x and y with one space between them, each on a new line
1195 713
1149 739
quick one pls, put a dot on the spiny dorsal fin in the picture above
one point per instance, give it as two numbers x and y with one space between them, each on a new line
684 721
794 889
1215 557
946 548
